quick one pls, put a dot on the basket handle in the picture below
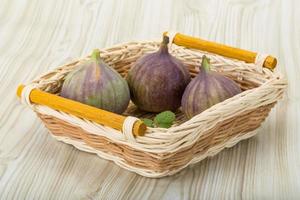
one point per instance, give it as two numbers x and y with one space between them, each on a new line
82 110
221 49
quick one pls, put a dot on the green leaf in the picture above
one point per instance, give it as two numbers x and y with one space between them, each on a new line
148 122
162 125
164 119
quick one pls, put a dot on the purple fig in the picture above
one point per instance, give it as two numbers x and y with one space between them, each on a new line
96 84
207 89
157 80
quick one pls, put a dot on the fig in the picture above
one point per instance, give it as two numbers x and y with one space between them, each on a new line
97 84
157 80
207 89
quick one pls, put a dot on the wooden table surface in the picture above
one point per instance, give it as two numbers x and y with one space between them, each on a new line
37 35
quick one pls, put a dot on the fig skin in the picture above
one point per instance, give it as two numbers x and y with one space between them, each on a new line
157 81
207 89
96 84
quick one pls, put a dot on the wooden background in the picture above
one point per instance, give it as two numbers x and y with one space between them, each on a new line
37 35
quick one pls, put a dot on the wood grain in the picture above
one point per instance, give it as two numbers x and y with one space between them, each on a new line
37 35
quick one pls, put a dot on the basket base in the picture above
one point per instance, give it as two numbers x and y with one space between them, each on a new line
157 165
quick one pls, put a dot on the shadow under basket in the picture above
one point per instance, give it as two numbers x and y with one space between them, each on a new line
162 152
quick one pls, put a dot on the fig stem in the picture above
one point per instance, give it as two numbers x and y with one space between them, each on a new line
164 44
165 40
205 65
96 55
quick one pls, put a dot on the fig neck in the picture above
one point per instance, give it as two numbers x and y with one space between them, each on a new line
164 45
205 65
96 56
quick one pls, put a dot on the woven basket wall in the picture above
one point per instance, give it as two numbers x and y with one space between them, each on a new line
163 152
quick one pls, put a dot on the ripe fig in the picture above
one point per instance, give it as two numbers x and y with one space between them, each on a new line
157 80
207 89
97 84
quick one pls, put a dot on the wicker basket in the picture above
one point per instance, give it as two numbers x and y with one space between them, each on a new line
161 152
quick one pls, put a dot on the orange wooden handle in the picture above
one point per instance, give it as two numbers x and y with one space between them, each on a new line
82 110
224 50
